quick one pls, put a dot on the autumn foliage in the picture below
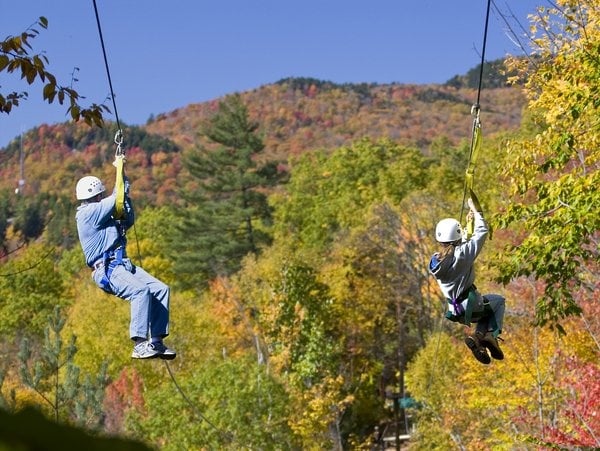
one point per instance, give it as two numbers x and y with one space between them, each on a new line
331 335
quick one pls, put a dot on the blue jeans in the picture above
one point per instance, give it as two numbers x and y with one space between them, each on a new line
148 296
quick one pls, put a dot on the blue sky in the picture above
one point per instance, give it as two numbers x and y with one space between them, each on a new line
164 55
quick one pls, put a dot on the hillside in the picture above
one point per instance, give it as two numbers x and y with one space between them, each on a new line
295 115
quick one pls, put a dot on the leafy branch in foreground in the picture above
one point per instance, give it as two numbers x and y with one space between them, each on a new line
16 57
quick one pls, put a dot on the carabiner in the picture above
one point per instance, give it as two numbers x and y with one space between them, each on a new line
118 141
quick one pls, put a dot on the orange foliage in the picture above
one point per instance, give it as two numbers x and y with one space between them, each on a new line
231 315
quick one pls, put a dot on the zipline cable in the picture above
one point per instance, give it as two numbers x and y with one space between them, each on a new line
476 129
119 186
225 435
485 32
112 93
119 162
119 153
473 151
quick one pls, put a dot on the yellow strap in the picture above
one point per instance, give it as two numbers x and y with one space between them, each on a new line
120 187
475 146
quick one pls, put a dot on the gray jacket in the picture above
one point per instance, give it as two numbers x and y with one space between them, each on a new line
456 274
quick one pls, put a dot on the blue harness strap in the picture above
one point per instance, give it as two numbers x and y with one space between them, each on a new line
111 259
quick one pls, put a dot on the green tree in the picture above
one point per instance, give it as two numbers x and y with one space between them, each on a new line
327 194
228 404
16 57
553 172
227 210
29 218
30 287
50 372
304 330
430 375
298 325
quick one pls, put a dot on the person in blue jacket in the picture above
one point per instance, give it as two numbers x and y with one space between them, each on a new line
453 269
103 241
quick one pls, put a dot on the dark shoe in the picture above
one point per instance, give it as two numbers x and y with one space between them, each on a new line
489 341
478 351
162 351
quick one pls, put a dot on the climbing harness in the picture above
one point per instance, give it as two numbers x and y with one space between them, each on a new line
460 312
110 260
464 314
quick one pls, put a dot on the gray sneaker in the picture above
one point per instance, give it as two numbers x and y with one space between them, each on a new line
144 350
163 352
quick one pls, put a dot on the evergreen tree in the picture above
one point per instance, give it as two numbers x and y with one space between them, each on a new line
52 374
29 218
227 211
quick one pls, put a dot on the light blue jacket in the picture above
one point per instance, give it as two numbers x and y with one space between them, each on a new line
97 229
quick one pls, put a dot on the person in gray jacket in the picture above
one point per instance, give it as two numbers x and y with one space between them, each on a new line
103 241
453 269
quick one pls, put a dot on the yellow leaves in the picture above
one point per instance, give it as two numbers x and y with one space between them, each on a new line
101 324
318 408
550 166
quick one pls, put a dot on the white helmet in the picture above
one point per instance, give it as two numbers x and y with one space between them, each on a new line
448 230
88 187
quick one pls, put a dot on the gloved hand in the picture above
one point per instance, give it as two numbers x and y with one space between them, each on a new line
117 158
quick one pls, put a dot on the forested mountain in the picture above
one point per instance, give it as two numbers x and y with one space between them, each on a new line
295 115
301 114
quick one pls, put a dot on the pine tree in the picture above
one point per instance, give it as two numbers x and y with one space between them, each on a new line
227 216
52 374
